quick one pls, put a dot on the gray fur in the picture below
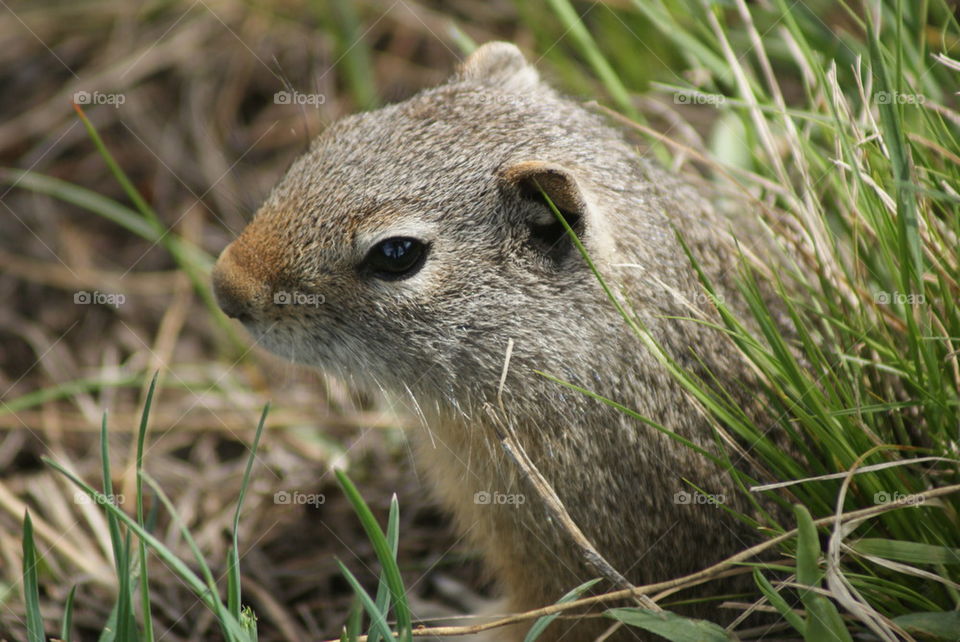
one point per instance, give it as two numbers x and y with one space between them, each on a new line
435 167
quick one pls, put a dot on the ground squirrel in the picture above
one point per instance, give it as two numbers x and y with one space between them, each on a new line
410 244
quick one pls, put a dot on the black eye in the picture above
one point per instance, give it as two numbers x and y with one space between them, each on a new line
395 258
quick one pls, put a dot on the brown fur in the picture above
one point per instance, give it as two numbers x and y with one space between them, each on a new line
460 166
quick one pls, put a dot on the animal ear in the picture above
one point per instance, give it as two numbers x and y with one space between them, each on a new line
500 64
539 181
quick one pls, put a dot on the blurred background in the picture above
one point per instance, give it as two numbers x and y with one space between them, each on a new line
196 102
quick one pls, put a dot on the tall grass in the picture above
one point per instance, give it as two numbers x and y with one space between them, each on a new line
237 623
859 173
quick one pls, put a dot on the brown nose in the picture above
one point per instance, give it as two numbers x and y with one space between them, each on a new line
239 291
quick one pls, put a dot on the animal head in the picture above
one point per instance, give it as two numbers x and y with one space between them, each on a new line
410 243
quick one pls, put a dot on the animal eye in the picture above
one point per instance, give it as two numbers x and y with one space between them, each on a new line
395 258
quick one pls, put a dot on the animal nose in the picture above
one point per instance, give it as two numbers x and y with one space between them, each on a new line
239 293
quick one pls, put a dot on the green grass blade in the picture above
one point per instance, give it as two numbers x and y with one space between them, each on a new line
228 623
465 44
588 47
910 254
234 603
31 587
105 207
351 631
393 541
354 54
109 632
543 622
823 621
148 214
670 625
233 569
635 415
66 390
903 551
141 545
808 549
116 539
66 627
81 197
125 624
694 46
937 625
894 139
378 621
177 566
778 602
193 260
389 565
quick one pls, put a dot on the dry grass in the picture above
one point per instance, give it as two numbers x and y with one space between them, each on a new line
203 141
